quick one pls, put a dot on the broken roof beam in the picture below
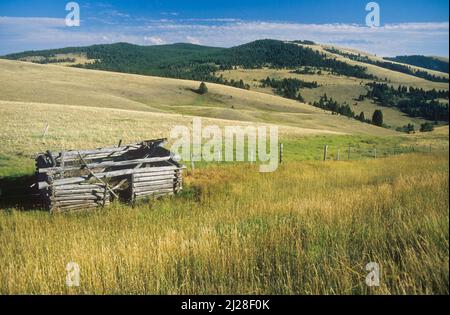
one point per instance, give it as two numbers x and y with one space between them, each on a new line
53 170
106 150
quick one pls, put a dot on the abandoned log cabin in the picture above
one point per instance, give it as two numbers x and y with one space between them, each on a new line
74 180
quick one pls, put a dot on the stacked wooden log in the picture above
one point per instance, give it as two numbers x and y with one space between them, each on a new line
73 197
76 180
155 182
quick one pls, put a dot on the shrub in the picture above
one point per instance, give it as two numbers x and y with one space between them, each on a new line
426 127
203 89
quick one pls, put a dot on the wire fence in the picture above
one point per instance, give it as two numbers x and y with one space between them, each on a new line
349 153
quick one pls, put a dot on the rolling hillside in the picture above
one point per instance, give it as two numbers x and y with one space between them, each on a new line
27 82
341 74
112 106
187 61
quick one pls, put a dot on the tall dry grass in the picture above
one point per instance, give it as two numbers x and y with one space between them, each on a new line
309 228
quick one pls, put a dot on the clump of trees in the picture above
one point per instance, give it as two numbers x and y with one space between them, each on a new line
46 60
238 84
289 88
328 103
426 127
307 70
409 128
415 102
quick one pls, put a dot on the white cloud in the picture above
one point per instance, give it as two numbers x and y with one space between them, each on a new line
115 13
193 40
20 33
155 40
170 13
32 21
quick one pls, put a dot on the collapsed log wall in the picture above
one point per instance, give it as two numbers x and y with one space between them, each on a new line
74 180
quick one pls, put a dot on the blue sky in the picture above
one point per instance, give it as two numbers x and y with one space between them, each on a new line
407 27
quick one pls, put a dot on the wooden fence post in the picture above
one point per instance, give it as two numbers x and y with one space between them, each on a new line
45 131
325 152
192 162
281 153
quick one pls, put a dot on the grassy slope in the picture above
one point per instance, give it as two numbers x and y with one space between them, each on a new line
26 82
344 89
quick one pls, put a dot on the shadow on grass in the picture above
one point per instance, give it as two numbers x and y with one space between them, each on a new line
196 91
18 192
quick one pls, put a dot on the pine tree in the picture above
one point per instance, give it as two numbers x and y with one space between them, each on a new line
377 118
362 117
203 89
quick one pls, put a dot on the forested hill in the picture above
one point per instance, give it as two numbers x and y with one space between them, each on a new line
431 63
187 61
129 58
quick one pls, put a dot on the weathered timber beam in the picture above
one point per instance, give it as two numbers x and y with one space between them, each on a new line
153 184
152 192
103 165
154 178
144 176
80 186
77 202
152 196
78 192
77 197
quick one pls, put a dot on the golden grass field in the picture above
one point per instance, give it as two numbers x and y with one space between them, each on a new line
308 228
